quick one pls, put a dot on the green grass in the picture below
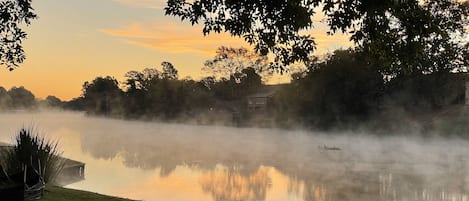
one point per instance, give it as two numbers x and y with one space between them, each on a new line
60 194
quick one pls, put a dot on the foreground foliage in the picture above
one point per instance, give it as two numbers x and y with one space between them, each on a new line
402 36
32 153
14 15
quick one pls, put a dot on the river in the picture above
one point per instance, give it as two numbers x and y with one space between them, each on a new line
176 162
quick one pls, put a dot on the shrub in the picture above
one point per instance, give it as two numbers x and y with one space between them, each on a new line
39 156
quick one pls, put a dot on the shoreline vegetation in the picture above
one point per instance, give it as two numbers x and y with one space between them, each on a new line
30 146
55 193
27 166
340 92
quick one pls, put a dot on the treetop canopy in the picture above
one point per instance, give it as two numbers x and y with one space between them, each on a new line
404 35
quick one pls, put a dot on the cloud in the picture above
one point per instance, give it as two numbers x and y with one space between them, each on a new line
172 36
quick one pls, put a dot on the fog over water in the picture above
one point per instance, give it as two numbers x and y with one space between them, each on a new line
156 161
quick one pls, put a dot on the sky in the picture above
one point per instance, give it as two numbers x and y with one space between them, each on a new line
74 41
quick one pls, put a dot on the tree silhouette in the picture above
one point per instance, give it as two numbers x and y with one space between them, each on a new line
160 94
5 99
102 96
53 101
13 14
342 89
21 98
169 71
141 80
404 36
412 37
230 62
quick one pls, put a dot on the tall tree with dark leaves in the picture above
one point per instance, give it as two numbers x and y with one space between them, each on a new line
271 26
169 71
22 98
230 62
403 36
14 14
102 96
408 36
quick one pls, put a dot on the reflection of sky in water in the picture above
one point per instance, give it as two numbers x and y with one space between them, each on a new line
152 161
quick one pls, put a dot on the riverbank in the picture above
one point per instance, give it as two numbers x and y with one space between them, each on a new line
60 194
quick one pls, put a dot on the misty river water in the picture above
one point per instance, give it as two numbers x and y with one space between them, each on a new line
156 161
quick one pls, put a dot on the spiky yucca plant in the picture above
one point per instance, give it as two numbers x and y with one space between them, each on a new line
40 157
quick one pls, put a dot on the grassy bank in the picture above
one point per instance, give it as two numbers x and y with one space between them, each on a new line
61 194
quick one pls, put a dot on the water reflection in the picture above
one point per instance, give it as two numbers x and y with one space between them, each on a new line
231 184
410 187
354 186
151 161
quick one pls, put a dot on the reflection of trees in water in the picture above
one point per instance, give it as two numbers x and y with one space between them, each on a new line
376 186
329 176
317 182
295 186
420 188
229 184
332 185
315 193
166 151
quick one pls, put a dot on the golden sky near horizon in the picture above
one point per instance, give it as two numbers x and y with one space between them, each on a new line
74 41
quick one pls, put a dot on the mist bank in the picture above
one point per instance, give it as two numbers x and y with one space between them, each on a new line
143 143
339 93
365 165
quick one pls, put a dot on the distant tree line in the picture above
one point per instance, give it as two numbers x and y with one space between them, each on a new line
342 90
160 94
20 98
16 98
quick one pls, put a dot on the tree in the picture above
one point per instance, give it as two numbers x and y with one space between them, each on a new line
414 37
141 80
77 104
5 99
53 101
22 98
208 82
166 98
102 96
152 93
237 87
230 62
169 72
341 89
425 93
13 14
271 26
404 36
250 81
138 85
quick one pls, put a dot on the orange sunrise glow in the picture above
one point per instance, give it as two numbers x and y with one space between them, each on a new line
73 42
